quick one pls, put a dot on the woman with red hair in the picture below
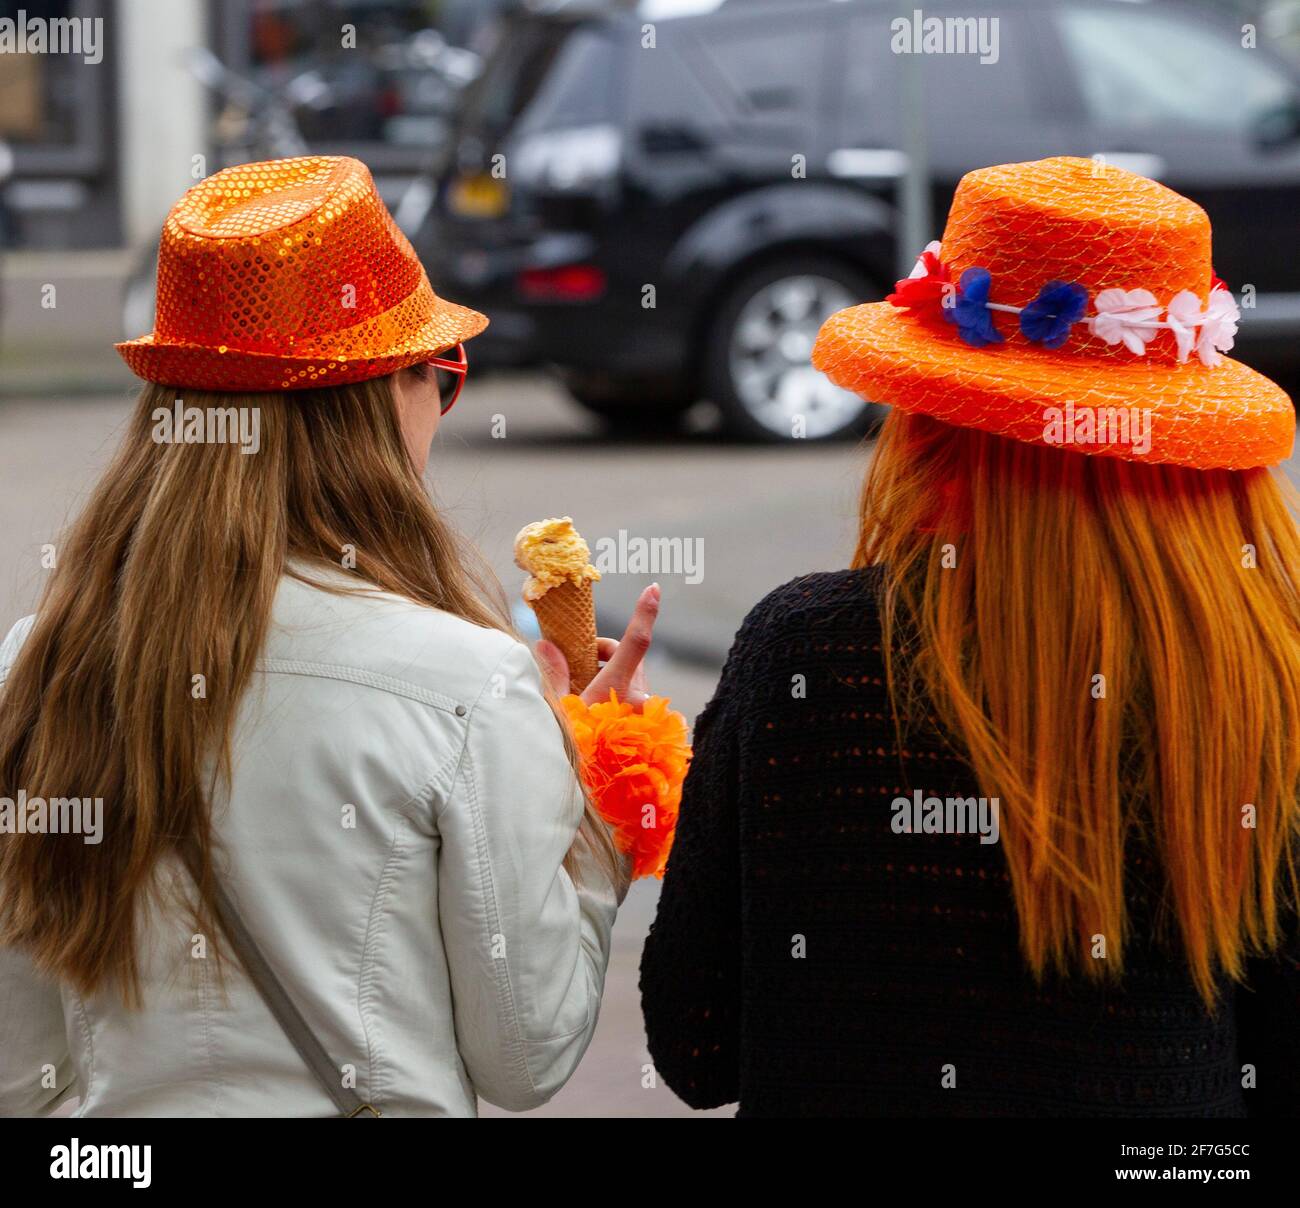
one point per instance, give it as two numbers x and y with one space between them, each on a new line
1002 821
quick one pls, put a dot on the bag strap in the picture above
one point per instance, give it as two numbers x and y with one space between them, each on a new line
286 1012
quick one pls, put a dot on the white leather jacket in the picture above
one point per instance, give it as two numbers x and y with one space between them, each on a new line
393 836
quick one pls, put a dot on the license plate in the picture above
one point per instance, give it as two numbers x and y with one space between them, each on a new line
479 196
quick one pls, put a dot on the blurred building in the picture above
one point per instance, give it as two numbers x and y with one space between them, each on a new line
60 130
94 148
99 134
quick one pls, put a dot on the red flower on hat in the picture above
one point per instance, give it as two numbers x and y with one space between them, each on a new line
925 291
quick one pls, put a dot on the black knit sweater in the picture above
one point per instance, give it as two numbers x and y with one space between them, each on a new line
808 960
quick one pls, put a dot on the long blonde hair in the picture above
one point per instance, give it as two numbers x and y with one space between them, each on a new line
171 571
1115 647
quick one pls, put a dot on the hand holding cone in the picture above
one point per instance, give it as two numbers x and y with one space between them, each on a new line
633 748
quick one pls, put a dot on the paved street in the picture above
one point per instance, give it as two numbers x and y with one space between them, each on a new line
762 515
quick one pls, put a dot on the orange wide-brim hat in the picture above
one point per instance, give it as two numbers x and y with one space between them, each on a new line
288 275
1062 289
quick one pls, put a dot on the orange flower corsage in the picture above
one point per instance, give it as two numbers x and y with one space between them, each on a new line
633 765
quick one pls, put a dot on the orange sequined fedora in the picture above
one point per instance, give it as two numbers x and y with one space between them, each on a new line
286 275
1065 297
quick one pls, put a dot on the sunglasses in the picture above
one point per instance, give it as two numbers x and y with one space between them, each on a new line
449 372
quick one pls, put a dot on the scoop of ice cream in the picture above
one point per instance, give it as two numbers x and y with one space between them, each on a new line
552 552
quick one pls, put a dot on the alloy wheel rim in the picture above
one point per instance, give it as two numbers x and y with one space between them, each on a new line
771 343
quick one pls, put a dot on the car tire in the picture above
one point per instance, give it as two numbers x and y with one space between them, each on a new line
757 369
629 408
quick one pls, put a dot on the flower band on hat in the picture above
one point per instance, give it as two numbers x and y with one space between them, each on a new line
1123 316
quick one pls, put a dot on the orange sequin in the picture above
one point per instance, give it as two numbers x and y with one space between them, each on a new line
1071 220
286 275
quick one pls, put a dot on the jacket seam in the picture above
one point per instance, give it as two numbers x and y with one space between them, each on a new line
492 920
205 1000
383 888
582 1027
429 790
358 675
458 758
79 1008
365 984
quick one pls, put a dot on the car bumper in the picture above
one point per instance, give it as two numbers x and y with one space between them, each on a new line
609 333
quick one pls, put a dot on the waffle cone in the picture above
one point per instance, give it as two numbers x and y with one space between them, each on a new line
567 616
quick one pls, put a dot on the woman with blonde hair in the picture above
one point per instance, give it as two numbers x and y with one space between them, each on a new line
1003 820
343 863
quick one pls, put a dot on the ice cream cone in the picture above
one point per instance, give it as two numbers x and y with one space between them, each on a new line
558 590
567 616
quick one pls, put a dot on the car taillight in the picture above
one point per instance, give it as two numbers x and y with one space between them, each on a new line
569 283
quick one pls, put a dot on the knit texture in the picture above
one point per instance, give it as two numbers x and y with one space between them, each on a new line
808 960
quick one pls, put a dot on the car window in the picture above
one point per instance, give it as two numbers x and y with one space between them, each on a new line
580 88
767 67
753 85
1147 70
1000 90
870 96
523 60
962 90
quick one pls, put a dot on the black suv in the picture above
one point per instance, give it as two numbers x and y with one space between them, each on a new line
665 208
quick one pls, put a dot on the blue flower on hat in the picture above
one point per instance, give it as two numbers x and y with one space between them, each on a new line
970 312
1048 318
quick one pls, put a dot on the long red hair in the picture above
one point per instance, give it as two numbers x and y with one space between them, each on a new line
1114 646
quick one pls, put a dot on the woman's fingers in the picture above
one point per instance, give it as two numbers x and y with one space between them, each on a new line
555 667
637 690
622 669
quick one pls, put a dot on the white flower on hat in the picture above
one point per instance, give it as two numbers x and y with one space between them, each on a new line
1217 324
1219 330
1127 316
1184 316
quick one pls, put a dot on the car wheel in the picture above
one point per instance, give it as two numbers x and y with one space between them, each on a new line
758 369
